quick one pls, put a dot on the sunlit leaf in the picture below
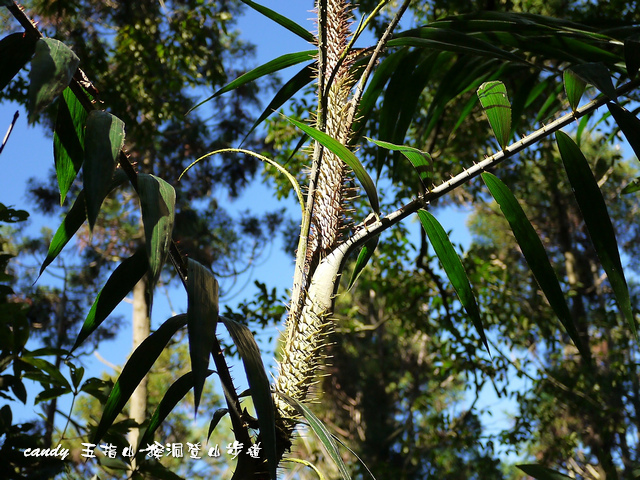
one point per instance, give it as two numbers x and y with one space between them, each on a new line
597 75
15 50
158 204
453 268
535 255
597 220
629 124
321 431
138 365
119 284
420 160
104 138
574 86
68 140
347 157
541 473
365 254
275 65
52 68
282 20
260 388
494 100
202 314
632 186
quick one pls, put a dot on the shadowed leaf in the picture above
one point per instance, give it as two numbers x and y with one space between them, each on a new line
15 50
365 254
535 254
629 124
453 268
597 220
120 283
282 20
104 137
632 55
494 100
541 473
597 75
574 87
259 385
138 365
202 314
52 68
217 416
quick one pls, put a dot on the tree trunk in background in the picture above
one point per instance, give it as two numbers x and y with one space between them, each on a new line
141 330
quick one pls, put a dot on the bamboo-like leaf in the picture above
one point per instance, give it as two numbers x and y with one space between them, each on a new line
202 315
288 90
535 255
597 75
104 138
275 65
494 100
52 68
420 160
157 471
72 222
453 268
120 283
217 416
54 375
574 86
347 157
365 254
629 124
542 473
632 55
15 50
282 20
597 220
321 431
259 385
138 365
632 186
68 140
158 204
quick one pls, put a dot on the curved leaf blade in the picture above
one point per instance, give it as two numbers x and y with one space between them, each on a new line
597 75
365 254
104 138
52 68
420 160
202 319
535 255
275 65
629 124
632 187
597 220
158 204
282 20
138 365
453 268
120 283
574 87
15 50
347 157
217 416
493 98
259 385
541 473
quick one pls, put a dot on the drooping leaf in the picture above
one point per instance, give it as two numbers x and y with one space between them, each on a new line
15 51
217 416
597 220
629 124
259 385
535 255
365 254
321 431
120 283
68 140
632 55
597 75
420 160
52 68
202 315
494 100
347 157
104 138
275 65
282 20
138 365
632 186
541 473
574 86
158 203
72 222
50 393
453 268
53 373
